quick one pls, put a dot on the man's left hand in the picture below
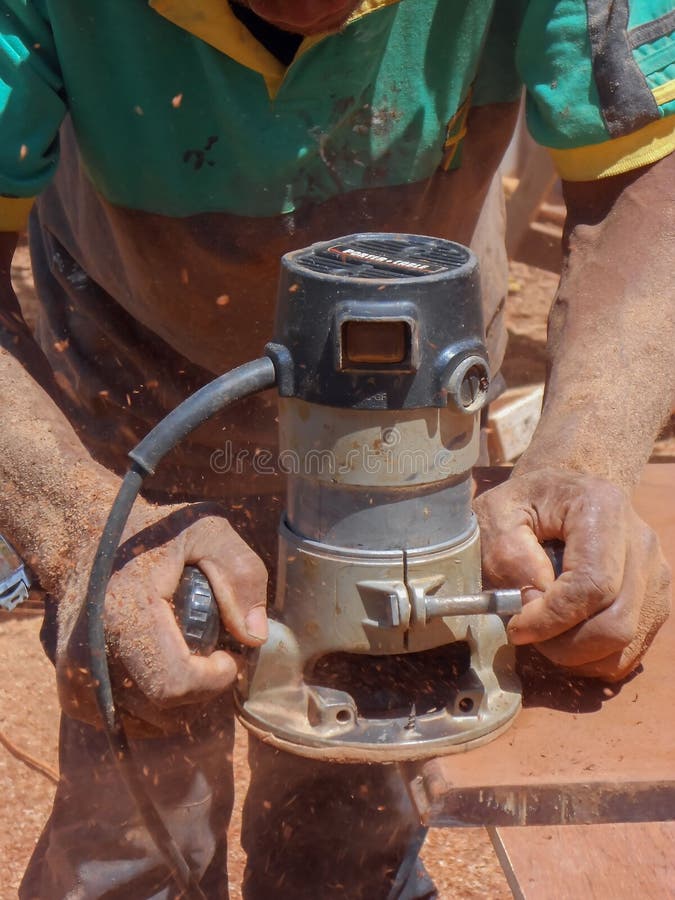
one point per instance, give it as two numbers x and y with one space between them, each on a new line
600 616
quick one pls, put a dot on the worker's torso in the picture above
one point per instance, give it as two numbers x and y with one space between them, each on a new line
178 109
196 170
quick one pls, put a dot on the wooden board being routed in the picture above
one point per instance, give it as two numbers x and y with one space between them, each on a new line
589 862
581 751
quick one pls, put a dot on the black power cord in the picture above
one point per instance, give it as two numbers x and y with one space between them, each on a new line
248 379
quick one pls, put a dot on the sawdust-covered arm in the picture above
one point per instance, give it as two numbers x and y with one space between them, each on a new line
611 344
50 488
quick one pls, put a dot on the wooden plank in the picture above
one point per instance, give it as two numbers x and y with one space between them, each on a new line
589 862
570 803
513 418
580 751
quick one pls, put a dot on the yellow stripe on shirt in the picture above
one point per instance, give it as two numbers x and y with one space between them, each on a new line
14 212
664 93
641 148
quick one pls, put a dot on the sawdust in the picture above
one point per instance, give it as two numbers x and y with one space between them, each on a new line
461 861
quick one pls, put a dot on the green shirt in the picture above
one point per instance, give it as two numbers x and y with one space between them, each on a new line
178 110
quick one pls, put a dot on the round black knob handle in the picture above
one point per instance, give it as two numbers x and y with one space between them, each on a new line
197 612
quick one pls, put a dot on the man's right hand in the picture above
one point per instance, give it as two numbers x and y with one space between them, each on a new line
157 682
600 615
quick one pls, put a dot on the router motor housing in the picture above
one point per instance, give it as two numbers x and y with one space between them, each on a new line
381 644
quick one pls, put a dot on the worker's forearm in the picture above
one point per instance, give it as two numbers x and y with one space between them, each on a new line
51 492
612 329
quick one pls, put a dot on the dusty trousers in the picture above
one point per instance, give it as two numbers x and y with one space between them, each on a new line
310 830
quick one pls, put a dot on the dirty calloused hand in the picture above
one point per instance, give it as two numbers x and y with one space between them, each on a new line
600 616
157 682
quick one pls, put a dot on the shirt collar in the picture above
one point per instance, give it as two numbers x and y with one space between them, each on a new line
214 23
